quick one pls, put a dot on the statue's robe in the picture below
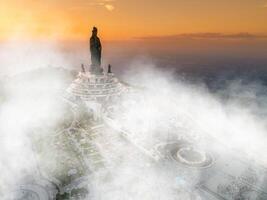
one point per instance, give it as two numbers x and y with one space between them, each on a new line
95 48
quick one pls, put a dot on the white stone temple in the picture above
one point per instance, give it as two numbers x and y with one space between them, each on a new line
97 91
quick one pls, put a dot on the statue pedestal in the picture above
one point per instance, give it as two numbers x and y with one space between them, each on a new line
97 70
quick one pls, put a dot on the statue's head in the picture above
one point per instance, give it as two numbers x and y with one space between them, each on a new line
94 31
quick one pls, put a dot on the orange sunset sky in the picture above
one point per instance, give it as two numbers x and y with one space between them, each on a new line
127 19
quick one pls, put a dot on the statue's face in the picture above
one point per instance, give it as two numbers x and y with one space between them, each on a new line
94 32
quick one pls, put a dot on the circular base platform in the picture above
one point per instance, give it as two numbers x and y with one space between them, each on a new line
191 157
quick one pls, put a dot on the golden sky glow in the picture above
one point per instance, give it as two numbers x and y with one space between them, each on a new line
125 19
